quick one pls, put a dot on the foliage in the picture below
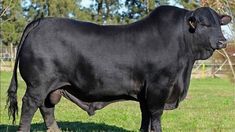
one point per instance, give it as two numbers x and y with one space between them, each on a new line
104 11
119 11
54 8
222 6
12 22
189 4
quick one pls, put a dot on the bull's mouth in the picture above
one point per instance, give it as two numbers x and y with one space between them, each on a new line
221 45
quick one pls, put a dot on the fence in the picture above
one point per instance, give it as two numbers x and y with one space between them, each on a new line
204 69
7 58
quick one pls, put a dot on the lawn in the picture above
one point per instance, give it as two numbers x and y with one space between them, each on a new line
209 107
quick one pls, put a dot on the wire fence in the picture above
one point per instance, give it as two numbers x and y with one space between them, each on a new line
7 58
202 70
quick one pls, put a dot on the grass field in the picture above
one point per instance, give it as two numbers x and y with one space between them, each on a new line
209 107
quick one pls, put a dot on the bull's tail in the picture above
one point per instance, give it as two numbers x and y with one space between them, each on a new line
12 90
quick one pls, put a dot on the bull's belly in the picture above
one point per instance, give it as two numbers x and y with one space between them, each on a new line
109 90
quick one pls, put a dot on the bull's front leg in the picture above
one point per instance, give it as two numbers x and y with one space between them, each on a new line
145 113
156 120
156 97
145 117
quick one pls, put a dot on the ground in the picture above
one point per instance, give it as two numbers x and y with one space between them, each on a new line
209 106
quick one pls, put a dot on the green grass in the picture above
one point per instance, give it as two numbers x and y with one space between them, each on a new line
209 107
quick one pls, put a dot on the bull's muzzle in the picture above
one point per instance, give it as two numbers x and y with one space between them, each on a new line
222 44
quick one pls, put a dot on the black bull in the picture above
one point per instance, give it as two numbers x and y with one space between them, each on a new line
149 61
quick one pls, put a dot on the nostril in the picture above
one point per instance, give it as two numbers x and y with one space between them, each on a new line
223 39
222 42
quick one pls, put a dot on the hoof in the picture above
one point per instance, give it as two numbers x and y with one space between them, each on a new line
91 112
53 130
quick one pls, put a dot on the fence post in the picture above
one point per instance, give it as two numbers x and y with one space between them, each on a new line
213 67
12 56
203 70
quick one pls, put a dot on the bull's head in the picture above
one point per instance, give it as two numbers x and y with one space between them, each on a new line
204 25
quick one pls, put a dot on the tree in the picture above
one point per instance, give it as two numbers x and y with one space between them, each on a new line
4 6
54 8
121 11
12 23
137 9
104 11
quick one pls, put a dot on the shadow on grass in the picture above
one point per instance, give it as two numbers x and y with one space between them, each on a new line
69 126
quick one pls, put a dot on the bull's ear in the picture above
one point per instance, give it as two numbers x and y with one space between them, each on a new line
225 19
192 22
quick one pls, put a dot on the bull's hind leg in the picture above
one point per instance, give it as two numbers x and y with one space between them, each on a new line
49 118
47 110
29 107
